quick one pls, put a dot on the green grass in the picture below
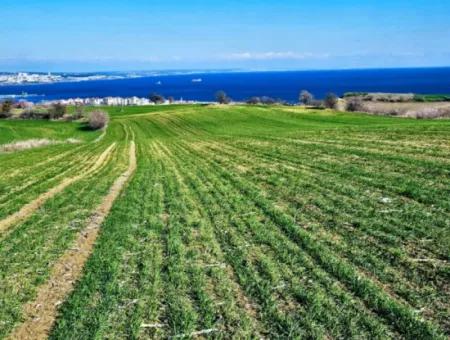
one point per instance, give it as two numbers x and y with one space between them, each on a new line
17 130
432 98
245 222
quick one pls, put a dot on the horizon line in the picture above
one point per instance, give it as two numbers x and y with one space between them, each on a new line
230 70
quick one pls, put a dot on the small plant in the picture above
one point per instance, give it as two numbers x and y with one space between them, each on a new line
98 119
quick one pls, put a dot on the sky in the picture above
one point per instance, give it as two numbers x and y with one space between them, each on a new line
113 35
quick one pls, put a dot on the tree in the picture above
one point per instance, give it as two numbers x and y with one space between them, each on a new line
57 110
156 98
306 97
331 100
222 97
171 99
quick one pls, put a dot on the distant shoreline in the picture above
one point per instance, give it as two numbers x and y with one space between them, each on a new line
115 75
241 84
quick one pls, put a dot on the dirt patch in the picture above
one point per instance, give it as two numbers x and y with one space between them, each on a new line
31 207
41 313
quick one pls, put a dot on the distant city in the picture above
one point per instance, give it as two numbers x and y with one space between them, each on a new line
48 78
107 101
24 78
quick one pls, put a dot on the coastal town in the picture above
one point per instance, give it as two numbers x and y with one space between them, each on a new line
29 78
106 101
23 78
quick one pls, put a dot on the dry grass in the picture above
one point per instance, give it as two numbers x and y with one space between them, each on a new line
411 109
33 143
25 144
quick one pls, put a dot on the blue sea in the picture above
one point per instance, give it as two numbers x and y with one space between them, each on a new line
285 85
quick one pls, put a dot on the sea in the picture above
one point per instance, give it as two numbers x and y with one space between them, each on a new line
240 85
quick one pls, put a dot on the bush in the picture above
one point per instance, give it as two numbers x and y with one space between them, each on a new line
306 97
78 112
330 101
4 115
156 98
36 113
5 108
57 111
98 119
316 104
268 100
222 97
355 104
254 100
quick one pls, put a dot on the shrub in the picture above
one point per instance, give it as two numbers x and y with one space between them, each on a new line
317 104
306 97
5 108
98 119
355 104
330 100
156 98
222 97
4 115
254 100
78 112
36 113
429 113
57 111
268 100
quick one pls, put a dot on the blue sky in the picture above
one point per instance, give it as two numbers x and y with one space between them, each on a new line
63 35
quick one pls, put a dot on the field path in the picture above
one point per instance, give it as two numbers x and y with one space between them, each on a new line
31 207
40 314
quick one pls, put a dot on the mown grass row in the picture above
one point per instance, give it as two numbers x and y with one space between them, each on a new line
402 317
30 247
166 292
220 209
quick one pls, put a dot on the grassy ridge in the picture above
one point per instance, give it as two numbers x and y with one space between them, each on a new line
247 222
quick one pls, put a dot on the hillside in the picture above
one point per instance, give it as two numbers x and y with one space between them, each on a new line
217 221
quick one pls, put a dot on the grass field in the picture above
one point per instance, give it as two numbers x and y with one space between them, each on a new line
238 222
17 130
